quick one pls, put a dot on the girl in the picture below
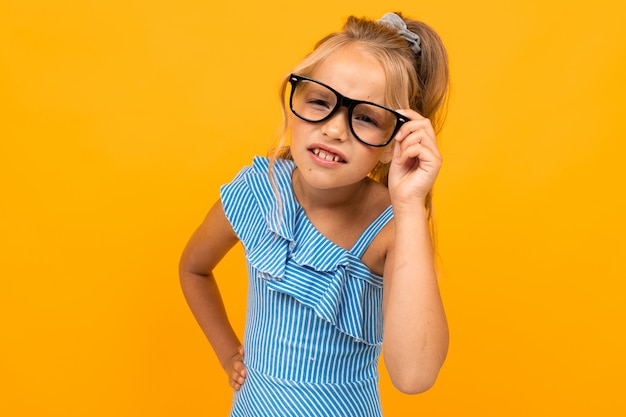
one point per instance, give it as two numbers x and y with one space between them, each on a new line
336 231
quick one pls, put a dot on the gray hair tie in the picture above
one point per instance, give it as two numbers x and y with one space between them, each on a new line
394 21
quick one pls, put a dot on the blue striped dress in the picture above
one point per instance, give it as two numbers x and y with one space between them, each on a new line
313 331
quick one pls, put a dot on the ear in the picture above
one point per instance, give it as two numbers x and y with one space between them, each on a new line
387 154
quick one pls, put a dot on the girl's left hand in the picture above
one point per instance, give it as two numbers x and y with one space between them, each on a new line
416 160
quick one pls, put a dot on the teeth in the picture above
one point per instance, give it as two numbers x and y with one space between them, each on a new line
325 155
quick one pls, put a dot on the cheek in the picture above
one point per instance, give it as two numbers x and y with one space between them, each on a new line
298 129
367 158
380 156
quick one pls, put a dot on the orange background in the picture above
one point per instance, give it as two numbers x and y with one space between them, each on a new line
120 119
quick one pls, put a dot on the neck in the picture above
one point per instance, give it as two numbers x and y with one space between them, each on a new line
310 197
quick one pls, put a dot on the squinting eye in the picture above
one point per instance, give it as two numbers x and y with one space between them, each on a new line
364 118
318 102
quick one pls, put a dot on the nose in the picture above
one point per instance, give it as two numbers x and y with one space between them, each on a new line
336 127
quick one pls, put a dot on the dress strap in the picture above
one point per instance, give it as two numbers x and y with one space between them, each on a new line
370 233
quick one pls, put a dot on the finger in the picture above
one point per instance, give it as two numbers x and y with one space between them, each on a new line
416 152
419 137
410 146
408 155
423 147
240 368
417 122
236 380
234 384
421 128
422 137
410 114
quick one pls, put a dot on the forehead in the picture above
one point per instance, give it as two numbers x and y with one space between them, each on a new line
354 74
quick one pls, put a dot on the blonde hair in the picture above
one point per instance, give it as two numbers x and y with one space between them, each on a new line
418 81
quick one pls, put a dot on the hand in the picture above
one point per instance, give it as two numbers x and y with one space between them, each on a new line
236 369
416 160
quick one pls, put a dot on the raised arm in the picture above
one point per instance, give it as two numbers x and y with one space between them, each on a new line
207 246
416 330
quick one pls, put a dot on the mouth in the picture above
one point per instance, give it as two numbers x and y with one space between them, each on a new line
327 155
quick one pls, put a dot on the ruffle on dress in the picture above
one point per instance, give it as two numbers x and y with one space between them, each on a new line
295 259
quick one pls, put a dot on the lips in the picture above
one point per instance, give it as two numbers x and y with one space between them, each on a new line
327 155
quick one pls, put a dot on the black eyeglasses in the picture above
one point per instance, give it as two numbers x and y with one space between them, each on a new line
371 123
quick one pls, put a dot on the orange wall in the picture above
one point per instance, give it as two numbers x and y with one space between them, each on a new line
119 120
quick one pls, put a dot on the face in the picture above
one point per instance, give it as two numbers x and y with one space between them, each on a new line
326 153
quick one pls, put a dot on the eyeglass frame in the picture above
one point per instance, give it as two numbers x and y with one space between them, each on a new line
348 103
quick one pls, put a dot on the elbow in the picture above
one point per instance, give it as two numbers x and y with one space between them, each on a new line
414 384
